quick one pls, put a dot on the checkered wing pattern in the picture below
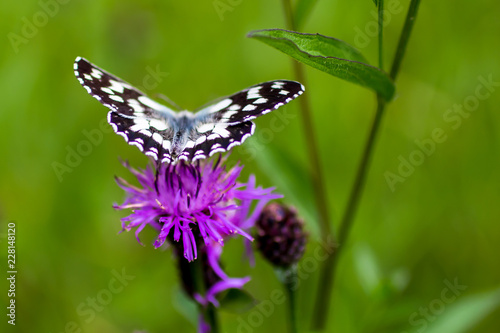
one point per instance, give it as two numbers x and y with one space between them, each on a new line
168 136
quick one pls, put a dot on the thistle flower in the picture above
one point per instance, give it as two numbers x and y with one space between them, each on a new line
215 280
198 203
280 235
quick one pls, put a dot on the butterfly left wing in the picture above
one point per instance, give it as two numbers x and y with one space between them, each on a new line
140 120
227 123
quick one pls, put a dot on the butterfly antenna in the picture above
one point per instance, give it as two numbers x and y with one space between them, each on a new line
169 101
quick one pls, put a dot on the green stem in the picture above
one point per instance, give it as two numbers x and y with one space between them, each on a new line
317 174
310 136
327 277
365 160
287 8
290 289
325 286
405 36
359 182
317 177
210 314
196 275
381 34
312 147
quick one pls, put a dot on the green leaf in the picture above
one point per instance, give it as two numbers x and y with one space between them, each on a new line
302 11
329 55
185 306
375 2
237 301
462 315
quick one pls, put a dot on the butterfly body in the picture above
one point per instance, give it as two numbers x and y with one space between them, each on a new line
170 136
181 128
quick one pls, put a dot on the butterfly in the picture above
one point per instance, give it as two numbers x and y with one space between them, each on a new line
170 136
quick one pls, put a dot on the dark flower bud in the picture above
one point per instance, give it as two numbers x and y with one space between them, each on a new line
280 235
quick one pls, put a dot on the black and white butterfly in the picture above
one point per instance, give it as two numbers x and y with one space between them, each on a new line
170 136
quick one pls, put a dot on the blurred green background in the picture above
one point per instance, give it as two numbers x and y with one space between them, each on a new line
439 226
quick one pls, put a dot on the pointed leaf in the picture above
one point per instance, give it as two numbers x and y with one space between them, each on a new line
329 55
185 306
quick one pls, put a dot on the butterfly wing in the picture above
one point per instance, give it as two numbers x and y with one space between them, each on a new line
252 102
141 121
227 123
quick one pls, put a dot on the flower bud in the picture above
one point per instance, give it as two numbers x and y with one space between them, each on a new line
280 235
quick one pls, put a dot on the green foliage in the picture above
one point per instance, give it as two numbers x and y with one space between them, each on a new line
329 55
439 222
185 306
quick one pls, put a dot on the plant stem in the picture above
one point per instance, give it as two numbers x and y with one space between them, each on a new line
325 286
289 286
405 36
195 275
310 136
365 160
287 8
328 273
312 146
381 34
359 182
211 318
317 180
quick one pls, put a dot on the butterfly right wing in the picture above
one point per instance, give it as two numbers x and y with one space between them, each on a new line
227 122
140 120
207 139
251 102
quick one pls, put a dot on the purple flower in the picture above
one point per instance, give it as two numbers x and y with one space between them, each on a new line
215 279
194 203
221 281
